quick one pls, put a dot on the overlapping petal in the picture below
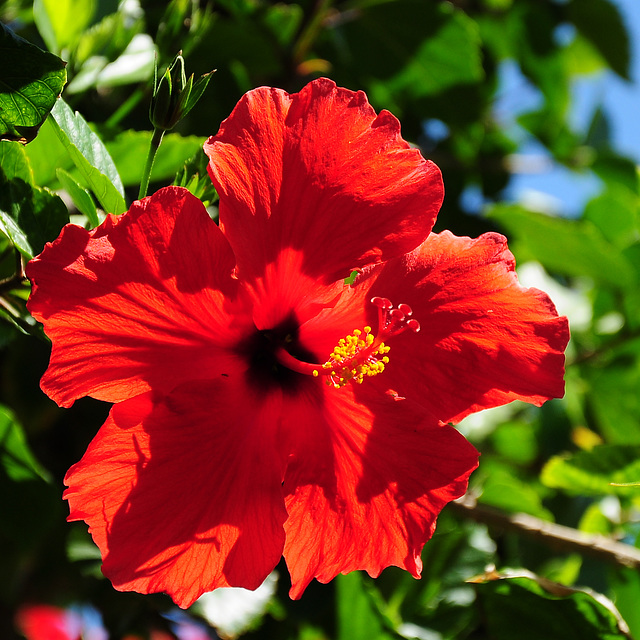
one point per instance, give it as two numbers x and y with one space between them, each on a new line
142 302
319 172
365 483
485 340
183 494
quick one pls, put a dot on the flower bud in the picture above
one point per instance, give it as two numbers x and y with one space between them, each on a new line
174 96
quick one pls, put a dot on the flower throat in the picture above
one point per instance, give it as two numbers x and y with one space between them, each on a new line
362 353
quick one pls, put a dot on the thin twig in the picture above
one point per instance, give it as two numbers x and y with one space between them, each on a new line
556 536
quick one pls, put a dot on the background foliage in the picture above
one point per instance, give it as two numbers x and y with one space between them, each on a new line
490 570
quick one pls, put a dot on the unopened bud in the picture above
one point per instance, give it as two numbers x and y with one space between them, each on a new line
174 96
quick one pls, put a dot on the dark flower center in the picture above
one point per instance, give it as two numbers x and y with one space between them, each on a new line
261 347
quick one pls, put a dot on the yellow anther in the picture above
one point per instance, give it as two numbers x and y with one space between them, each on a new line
355 357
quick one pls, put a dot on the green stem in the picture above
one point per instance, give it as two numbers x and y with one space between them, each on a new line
156 139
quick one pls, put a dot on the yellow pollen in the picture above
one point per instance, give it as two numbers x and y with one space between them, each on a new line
354 358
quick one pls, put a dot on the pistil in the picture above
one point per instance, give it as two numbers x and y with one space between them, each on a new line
361 354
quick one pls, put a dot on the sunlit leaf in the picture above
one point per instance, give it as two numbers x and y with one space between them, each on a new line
14 161
407 46
135 64
30 82
16 457
29 215
569 247
600 21
625 589
11 230
615 213
80 196
606 469
502 489
60 22
357 616
613 397
129 152
90 157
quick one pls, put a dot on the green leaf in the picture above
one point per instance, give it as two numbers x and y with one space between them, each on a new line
107 39
357 616
61 22
129 152
593 472
568 247
196 92
613 398
14 161
503 490
30 82
135 64
29 216
582 58
615 213
10 228
80 196
90 157
516 441
18 461
538 608
625 591
46 155
408 45
601 23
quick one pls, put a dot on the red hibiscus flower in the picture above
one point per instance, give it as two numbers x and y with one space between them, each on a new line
264 407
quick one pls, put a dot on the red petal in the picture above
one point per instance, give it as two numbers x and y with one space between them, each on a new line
184 495
136 303
318 172
484 340
366 484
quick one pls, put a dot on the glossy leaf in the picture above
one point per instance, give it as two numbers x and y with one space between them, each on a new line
80 196
90 157
30 82
10 228
47 154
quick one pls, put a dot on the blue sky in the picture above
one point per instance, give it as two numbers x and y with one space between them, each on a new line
555 188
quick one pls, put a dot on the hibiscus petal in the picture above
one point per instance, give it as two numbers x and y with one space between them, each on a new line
484 341
137 303
184 495
366 483
318 172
